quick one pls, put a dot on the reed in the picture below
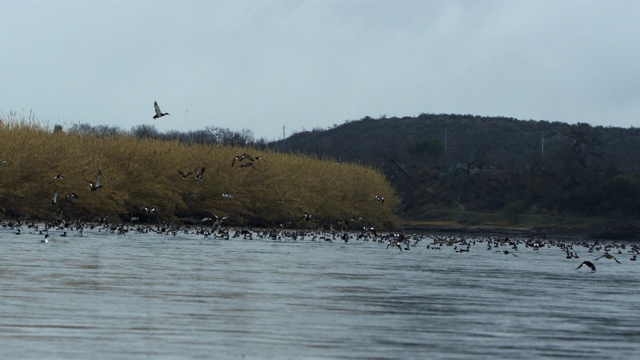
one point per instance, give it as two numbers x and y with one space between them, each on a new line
144 172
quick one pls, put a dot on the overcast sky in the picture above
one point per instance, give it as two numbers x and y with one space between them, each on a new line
262 65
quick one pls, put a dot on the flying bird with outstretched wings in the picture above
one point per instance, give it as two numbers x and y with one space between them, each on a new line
199 173
159 113
95 185
184 174
241 158
589 264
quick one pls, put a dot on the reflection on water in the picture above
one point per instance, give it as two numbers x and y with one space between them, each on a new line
144 296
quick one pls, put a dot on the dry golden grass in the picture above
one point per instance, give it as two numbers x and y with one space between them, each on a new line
138 173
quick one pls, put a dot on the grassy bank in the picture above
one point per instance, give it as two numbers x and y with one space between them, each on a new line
280 188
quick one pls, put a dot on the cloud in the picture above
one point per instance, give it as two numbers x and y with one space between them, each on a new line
304 64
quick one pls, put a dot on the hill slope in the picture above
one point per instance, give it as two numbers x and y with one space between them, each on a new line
489 164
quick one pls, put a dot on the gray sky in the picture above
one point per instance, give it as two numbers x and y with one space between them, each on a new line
262 65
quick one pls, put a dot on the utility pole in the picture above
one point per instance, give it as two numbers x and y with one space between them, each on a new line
445 142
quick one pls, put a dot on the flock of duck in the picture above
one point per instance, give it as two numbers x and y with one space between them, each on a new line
246 159
243 161
214 228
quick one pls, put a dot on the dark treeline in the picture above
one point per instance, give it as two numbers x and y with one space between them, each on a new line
209 136
490 164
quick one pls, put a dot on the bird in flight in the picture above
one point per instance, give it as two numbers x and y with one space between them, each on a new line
608 256
199 173
395 243
96 185
307 216
159 113
184 174
249 164
240 158
589 264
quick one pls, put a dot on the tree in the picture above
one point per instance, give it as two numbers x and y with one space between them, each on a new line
584 145
143 131
79 128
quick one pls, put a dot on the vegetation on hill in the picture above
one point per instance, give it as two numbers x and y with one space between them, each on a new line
139 172
478 166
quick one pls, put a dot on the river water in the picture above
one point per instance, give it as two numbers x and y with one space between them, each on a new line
153 296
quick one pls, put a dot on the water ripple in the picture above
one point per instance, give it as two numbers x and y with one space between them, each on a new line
154 296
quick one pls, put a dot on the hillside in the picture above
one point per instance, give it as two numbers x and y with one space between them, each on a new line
494 141
490 164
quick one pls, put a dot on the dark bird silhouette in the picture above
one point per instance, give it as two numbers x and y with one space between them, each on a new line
219 220
72 195
58 177
608 256
507 252
96 185
159 113
199 173
379 198
395 243
184 174
240 158
588 264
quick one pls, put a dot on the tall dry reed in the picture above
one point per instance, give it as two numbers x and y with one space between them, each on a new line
136 173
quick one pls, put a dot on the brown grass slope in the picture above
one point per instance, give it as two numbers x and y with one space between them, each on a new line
138 173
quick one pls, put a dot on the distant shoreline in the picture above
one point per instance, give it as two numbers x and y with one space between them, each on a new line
578 231
568 232
485 230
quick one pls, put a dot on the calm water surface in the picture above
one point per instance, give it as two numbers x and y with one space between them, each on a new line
149 296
